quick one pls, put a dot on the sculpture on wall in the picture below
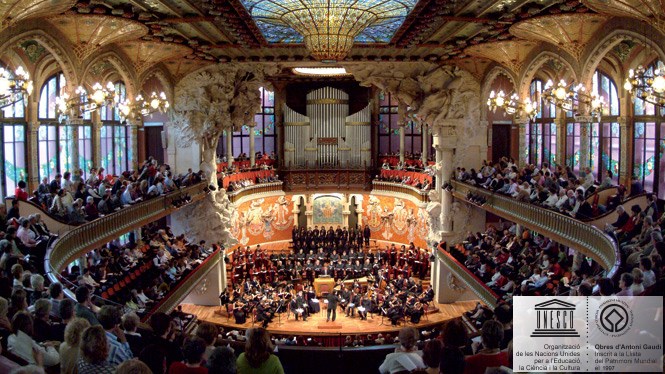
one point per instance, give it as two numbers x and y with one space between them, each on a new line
209 102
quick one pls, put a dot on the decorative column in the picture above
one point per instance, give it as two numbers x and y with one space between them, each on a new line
424 130
585 128
133 125
229 147
445 153
32 129
96 139
252 144
401 112
626 163
522 122
75 124
280 95
561 131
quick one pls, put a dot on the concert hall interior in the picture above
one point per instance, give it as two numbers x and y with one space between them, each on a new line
330 182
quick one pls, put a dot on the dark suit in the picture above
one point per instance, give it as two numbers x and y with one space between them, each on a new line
332 306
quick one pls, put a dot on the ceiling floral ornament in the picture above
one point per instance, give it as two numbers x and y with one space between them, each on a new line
145 54
12 11
510 53
650 11
32 50
570 32
88 33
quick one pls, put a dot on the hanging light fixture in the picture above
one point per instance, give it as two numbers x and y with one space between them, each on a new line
14 87
142 107
329 28
83 102
647 85
575 98
512 105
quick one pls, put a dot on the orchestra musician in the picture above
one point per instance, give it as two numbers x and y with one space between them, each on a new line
354 301
265 312
395 311
364 307
299 307
239 312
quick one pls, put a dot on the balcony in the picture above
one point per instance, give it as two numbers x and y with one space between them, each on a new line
484 293
560 228
392 187
86 237
255 189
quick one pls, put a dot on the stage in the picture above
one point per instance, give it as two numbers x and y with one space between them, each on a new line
316 325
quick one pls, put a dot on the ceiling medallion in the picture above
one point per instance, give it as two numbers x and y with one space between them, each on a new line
329 28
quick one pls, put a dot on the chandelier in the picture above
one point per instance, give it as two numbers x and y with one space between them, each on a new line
74 107
647 85
512 105
329 28
142 107
573 98
13 88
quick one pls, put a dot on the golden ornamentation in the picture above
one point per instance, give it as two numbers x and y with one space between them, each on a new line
510 53
88 33
296 123
570 32
144 54
12 11
358 123
650 11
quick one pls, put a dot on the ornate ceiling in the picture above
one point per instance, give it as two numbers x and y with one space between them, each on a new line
444 31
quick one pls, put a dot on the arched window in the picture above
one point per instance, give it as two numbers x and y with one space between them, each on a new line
56 141
13 155
541 132
389 129
605 137
264 132
649 144
115 138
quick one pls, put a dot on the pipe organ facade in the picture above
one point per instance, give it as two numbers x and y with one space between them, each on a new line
327 136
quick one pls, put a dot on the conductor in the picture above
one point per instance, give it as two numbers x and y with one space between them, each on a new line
333 299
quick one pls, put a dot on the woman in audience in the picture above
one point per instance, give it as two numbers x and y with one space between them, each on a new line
208 332
406 356
4 321
18 301
42 321
94 349
193 350
133 366
432 355
222 360
258 356
491 355
22 345
69 349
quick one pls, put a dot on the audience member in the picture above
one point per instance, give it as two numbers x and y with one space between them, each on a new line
258 356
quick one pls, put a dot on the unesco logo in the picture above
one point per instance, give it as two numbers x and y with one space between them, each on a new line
555 319
614 318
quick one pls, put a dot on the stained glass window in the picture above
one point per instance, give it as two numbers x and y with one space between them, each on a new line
541 139
275 17
114 144
85 149
649 144
389 130
14 156
573 146
264 131
48 151
605 137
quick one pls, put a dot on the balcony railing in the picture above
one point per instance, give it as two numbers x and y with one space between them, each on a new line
79 241
476 285
254 189
559 227
186 285
382 186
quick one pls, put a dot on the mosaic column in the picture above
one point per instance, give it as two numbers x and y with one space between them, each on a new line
229 146
401 112
31 139
425 134
252 144
585 127
96 139
134 138
561 131
522 122
626 163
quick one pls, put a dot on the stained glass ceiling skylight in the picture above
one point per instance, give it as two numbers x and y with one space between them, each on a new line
346 21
